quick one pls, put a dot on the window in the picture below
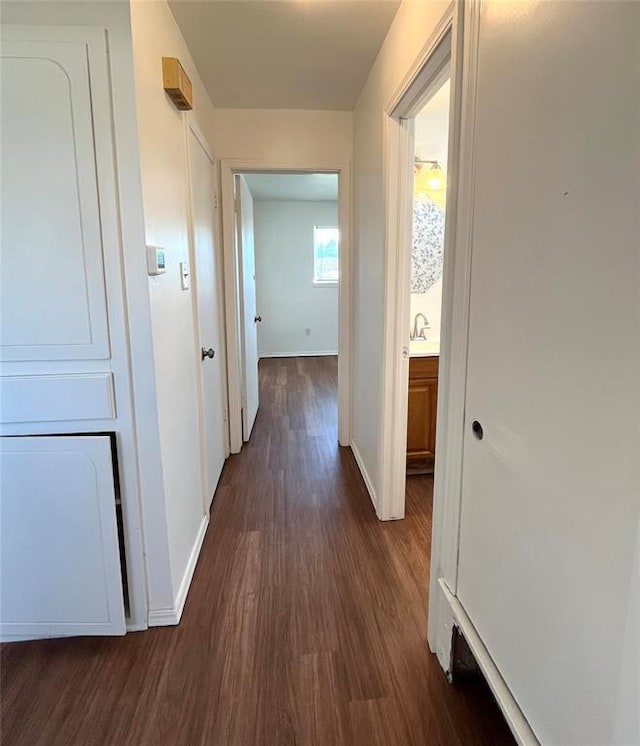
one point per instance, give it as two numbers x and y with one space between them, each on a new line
325 255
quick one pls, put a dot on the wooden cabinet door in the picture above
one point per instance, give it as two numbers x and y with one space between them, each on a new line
421 427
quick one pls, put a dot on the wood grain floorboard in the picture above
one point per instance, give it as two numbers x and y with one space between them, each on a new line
305 624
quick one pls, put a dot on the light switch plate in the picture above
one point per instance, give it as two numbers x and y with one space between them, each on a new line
185 277
156 261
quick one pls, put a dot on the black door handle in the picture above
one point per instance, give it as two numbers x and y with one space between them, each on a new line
256 319
211 353
477 430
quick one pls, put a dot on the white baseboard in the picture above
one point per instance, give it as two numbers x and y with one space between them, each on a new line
171 616
320 353
520 728
137 626
365 476
163 617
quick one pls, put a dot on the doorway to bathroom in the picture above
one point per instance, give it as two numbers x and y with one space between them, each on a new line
421 141
431 135
429 173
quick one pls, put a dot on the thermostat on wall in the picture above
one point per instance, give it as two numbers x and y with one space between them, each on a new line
155 260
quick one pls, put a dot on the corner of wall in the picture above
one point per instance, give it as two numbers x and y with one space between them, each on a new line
368 481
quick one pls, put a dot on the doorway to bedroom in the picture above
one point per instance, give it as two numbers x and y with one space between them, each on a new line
287 241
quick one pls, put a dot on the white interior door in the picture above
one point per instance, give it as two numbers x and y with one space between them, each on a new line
249 318
550 532
59 556
209 295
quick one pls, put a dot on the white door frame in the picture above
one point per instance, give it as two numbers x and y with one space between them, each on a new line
191 126
444 47
228 168
460 28
434 65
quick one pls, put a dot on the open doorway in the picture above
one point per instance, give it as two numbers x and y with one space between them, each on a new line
421 145
288 306
444 385
431 136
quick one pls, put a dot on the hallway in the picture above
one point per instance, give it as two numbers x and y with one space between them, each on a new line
305 624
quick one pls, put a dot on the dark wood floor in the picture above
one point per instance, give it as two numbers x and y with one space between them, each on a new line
305 623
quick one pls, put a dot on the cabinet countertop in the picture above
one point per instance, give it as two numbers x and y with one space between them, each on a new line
424 348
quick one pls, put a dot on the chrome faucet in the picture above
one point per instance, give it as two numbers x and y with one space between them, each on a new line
415 334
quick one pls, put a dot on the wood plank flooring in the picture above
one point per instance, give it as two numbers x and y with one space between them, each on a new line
305 623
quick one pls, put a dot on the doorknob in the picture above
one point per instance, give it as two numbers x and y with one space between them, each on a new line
256 319
477 430
208 353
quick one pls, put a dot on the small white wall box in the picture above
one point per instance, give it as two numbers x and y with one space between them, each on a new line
155 260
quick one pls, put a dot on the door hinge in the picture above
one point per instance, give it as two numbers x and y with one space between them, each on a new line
215 200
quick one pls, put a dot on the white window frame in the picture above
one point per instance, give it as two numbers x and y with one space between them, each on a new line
325 283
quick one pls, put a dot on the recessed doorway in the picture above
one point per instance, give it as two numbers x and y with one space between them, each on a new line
287 290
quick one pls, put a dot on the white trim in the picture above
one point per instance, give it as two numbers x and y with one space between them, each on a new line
395 371
163 617
435 59
516 721
365 476
321 353
228 168
181 596
447 492
413 74
191 127
458 27
172 615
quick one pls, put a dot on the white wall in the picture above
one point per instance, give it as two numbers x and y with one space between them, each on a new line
283 134
431 133
288 301
409 32
292 139
430 304
161 129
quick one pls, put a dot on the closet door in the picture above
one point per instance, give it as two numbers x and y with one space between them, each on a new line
59 552
52 282
549 540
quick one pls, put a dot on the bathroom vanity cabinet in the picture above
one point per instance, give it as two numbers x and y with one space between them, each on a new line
423 405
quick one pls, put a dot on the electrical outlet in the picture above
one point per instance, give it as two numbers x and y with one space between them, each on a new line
307 332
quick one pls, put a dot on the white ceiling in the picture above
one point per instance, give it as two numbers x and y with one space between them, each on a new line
293 187
284 54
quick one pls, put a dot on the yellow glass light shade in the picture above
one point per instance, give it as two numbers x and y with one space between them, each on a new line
429 182
428 178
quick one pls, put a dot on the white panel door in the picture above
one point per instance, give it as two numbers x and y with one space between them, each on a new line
249 317
52 282
209 295
551 492
59 556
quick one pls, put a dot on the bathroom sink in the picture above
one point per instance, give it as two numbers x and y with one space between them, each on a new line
424 347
